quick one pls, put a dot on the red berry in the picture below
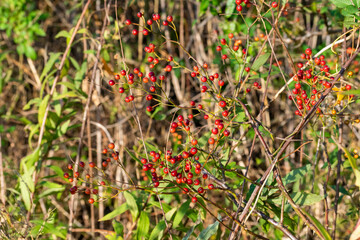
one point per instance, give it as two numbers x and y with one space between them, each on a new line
135 32
91 200
222 104
169 18
127 22
308 51
66 175
274 4
239 9
193 150
194 199
91 164
211 140
211 186
111 82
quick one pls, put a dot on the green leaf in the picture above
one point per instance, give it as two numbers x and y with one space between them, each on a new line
170 214
52 188
203 7
118 227
181 213
355 92
158 230
300 198
230 7
260 61
349 10
42 108
64 34
296 174
208 232
143 225
30 160
353 165
132 205
30 52
116 212
25 194
323 231
341 3
67 95
50 63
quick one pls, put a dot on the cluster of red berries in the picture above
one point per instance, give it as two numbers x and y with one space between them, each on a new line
239 7
316 77
109 153
183 170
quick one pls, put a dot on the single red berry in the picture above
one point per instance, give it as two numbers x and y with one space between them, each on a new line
308 51
205 176
348 87
215 131
81 164
111 82
91 200
91 164
226 133
135 32
149 108
194 199
224 56
211 140
169 18
225 113
239 8
193 150
149 22
66 175
222 104
200 190
247 69
127 22
211 186
274 4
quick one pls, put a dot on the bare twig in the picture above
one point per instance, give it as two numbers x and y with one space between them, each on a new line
82 131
